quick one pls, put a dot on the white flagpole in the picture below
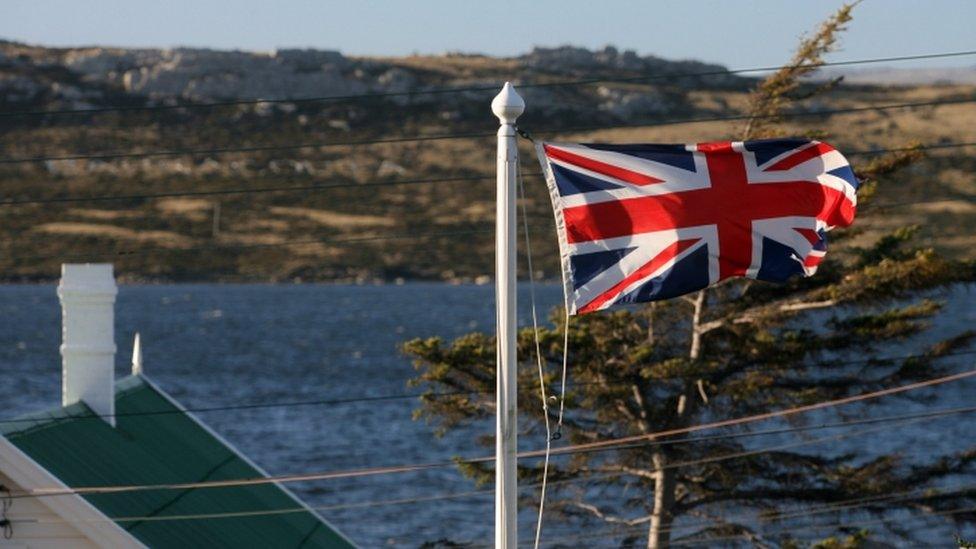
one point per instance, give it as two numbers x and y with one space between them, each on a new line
507 106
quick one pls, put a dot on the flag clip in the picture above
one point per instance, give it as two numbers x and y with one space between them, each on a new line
524 134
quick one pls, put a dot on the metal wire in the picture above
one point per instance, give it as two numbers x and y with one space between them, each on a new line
827 508
371 184
346 240
492 88
406 396
578 448
474 135
257 190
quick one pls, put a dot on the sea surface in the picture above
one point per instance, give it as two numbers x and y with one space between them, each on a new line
214 345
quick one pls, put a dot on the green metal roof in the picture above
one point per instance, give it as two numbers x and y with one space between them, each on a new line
82 450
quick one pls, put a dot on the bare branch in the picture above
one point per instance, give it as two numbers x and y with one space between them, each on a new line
625 470
805 306
595 511
696 332
755 313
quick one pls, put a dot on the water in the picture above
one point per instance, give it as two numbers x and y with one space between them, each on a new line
210 345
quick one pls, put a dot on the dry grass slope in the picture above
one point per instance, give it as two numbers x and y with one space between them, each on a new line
255 229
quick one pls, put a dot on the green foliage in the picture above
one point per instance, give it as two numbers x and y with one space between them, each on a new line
885 165
854 541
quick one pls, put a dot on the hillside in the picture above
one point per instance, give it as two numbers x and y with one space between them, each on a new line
906 77
344 233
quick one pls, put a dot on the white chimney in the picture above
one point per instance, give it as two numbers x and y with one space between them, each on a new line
87 295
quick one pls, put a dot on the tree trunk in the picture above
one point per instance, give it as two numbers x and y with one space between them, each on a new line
696 332
659 531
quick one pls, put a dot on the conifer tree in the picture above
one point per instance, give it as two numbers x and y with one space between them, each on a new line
737 349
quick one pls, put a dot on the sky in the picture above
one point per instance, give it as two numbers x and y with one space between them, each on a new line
738 34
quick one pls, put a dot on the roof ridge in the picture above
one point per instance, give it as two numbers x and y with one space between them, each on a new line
36 420
79 410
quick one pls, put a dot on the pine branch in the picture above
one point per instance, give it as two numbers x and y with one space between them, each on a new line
776 92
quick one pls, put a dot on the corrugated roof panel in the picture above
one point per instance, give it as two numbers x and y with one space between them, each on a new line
165 448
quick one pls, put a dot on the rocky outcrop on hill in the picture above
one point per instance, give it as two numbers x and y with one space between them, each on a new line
569 59
83 77
197 74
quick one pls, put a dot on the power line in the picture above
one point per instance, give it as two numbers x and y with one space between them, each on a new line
442 496
711 540
492 88
816 510
571 449
931 147
864 502
803 428
420 181
847 504
737 117
489 491
255 406
616 442
443 137
741 537
409 396
253 190
350 240
899 419
339 506
886 205
247 149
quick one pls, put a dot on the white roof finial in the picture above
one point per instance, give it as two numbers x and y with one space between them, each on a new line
136 356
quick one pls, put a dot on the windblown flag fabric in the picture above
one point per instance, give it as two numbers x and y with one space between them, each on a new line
646 222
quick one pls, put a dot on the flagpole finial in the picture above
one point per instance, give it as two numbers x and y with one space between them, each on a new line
508 104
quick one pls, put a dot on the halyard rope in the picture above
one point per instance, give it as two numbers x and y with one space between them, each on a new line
538 354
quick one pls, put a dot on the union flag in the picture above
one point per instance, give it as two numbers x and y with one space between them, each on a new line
645 222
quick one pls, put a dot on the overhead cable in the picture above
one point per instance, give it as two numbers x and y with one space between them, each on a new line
404 182
827 508
474 135
486 88
411 396
571 449
231 246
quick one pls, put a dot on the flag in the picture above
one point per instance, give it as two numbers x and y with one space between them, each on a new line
645 222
